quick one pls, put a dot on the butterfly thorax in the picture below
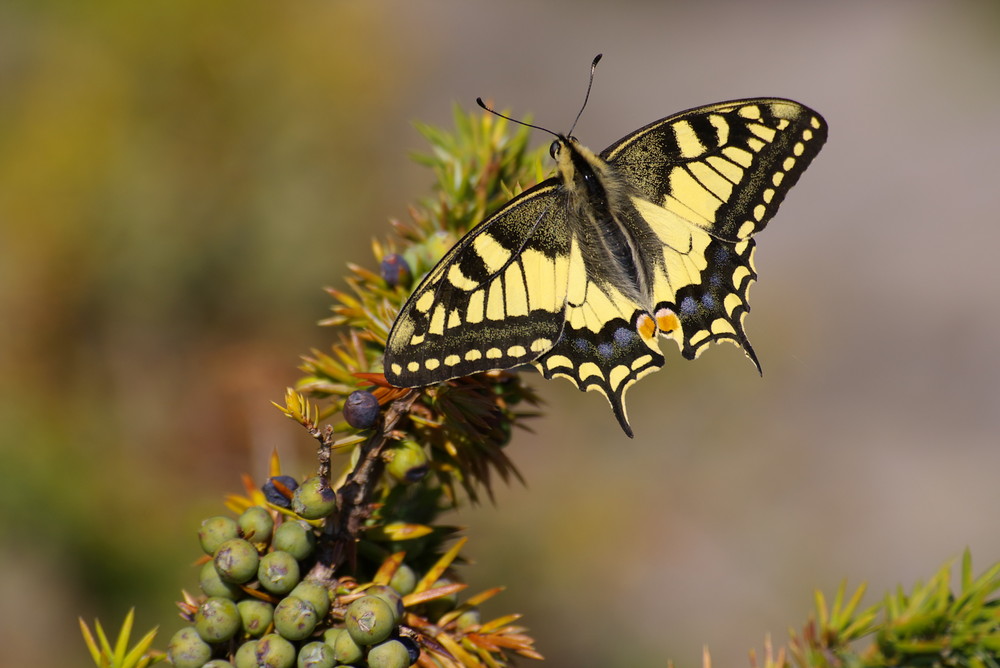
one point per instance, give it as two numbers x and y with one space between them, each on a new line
596 197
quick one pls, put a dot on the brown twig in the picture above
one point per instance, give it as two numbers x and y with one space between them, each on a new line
325 439
341 534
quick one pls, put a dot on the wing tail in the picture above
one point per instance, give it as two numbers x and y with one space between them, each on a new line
606 359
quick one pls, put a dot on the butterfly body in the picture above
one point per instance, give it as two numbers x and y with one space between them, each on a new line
581 274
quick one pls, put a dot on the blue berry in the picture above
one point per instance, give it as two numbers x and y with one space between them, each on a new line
396 271
274 495
361 409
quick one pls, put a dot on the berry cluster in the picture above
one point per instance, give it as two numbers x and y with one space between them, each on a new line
260 612
362 572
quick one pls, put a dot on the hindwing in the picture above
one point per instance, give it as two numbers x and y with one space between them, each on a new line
608 341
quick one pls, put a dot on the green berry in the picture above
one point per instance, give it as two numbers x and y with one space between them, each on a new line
256 525
273 651
236 560
345 650
361 409
217 620
407 461
187 650
255 616
390 596
215 531
369 620
246 655
468 618
315 594
314 499
213 585
442 604
330 635
218 663
316 655
389 654
294 618
412 647
296 538
404 580
278 572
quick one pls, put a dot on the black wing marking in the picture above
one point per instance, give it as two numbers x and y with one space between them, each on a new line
495 301
706 180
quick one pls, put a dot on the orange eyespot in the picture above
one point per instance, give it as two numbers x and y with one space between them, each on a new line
645 326
667 321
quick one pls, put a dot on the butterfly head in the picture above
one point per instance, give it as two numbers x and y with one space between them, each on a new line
556 148
579 168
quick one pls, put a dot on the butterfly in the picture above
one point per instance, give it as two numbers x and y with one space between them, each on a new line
581 274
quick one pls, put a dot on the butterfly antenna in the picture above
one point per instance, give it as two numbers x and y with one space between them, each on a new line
482 104
593 68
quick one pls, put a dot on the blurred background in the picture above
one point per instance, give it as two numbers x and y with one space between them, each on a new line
178 181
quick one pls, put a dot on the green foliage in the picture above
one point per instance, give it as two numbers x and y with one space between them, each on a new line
120 655
929 627
390 566
464 423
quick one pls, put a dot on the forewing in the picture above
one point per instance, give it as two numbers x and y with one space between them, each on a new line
725 167
705 180
495 301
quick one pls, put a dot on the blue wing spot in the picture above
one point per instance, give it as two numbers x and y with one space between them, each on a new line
580 344
689 306
623 336
715 280
605 349
708 300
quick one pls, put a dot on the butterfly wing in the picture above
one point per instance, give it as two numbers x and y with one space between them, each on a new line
495 301
705 181
609 341
581 284
525 285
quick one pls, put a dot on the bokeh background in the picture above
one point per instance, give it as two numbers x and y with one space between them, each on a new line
178 180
